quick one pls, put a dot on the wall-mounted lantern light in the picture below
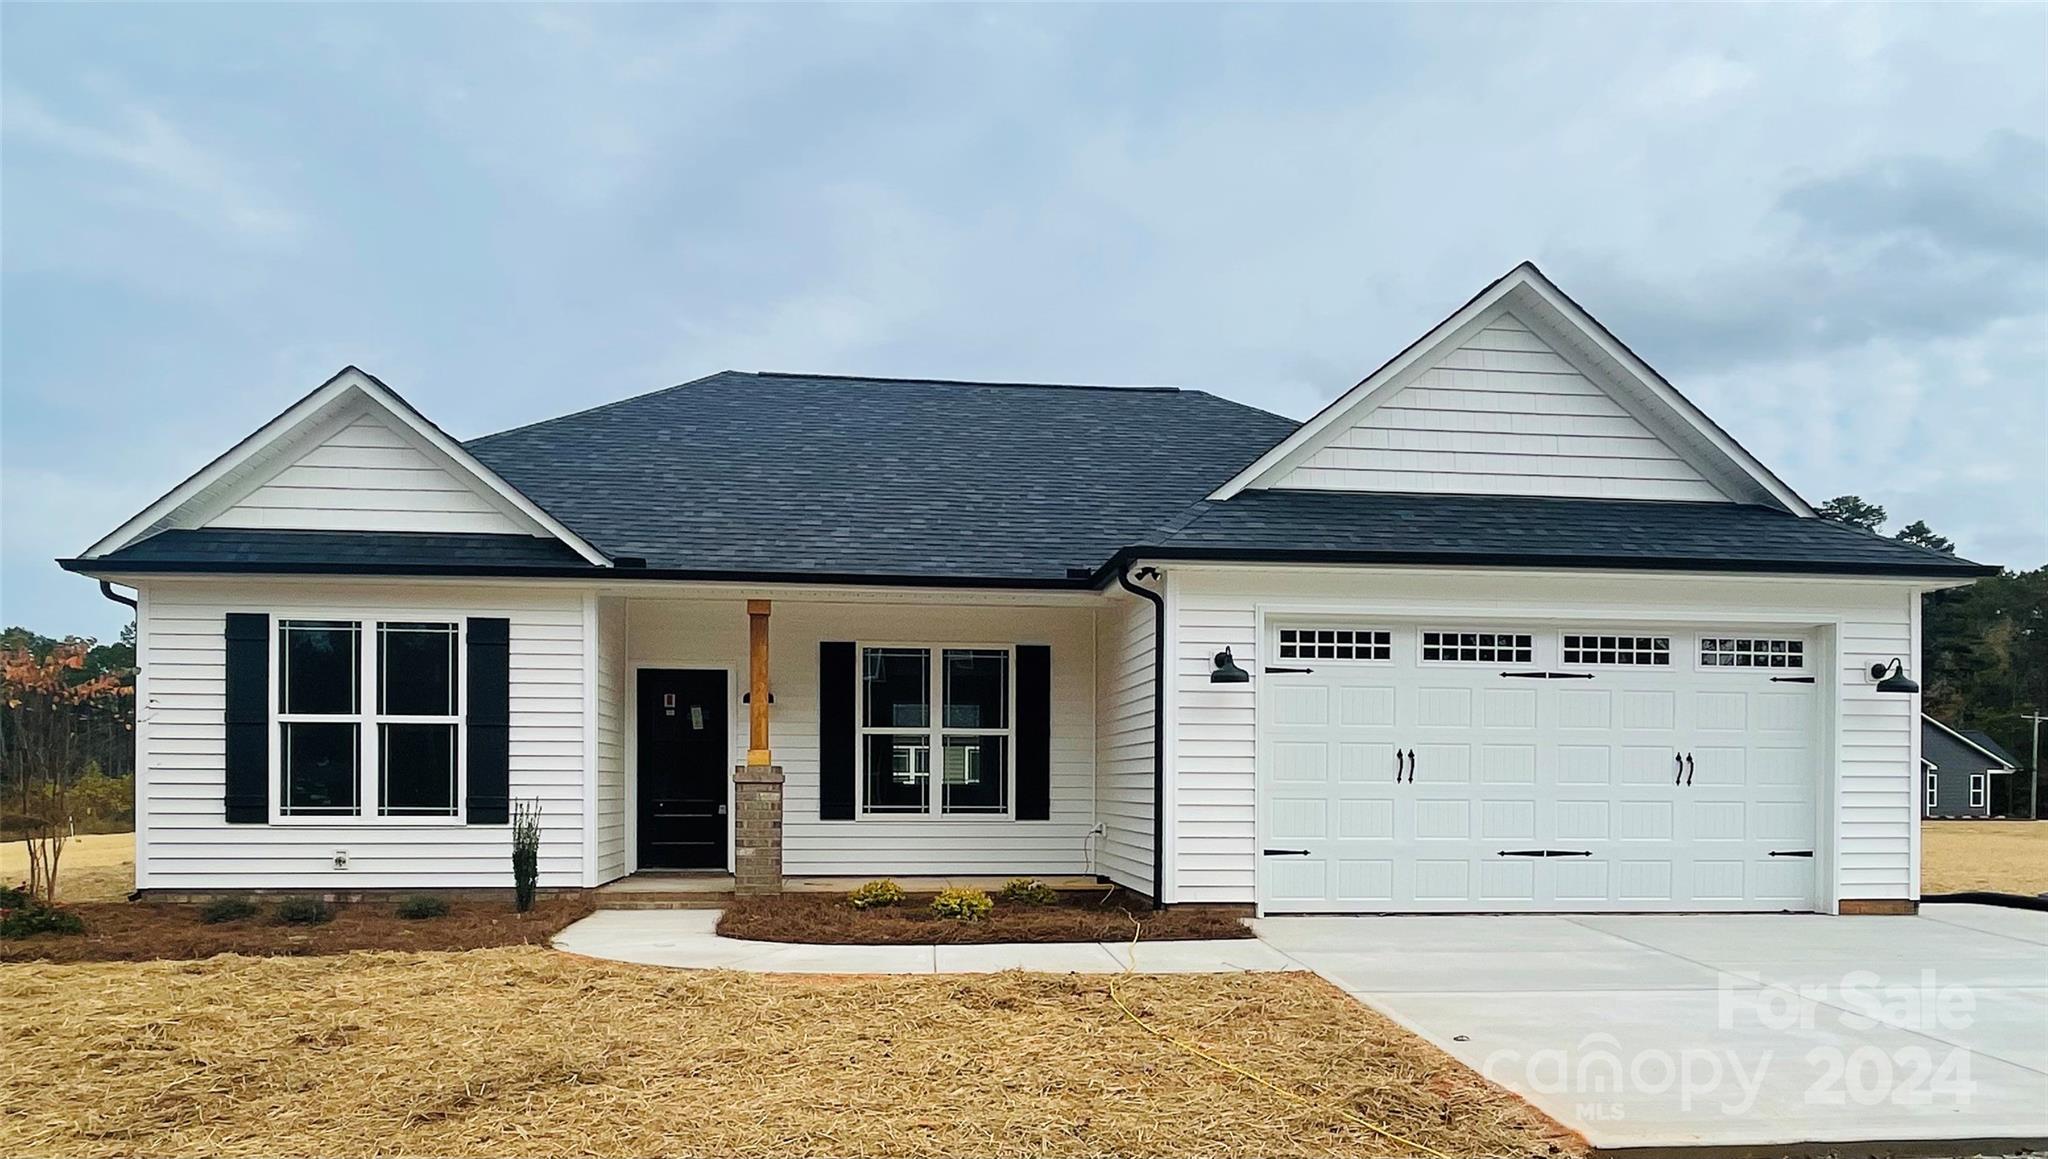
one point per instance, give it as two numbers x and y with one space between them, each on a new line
1226 670
1892 677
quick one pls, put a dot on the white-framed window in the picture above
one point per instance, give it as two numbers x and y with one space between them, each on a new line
1477 647
1751 652
1933 790
1620 651
368 717
929 708
1336 644
1979 787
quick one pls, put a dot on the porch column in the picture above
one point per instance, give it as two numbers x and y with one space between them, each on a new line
757 785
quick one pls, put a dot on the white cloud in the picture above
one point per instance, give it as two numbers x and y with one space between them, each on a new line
140 159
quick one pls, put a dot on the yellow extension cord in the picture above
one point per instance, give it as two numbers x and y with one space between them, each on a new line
1131 967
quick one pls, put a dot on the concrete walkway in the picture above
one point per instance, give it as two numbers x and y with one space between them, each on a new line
685 938
1729 1030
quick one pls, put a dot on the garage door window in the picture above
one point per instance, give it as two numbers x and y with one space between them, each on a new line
1625 651
1477 648
1335 644
1740 652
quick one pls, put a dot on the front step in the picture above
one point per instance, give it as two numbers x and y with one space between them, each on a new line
649 899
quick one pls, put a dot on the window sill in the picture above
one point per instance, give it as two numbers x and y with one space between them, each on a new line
358 822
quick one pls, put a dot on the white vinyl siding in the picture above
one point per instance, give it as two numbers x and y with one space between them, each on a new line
611 739
1123 742
1503 413
367 475
186 844
1213 762
683 633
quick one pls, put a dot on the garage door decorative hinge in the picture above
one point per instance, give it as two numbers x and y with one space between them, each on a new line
1550 675
1791 679
1791 853
1285 852
1271 669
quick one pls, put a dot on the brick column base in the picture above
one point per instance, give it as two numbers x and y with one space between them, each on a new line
1887 906
757 829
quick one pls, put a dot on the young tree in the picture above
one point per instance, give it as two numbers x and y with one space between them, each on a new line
1852 510
48 702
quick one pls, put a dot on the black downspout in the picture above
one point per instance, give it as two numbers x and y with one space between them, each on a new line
107 590
1158 731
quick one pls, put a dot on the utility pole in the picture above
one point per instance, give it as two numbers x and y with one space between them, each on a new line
2035 772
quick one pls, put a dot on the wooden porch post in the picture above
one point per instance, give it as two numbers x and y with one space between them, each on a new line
757 683
757 825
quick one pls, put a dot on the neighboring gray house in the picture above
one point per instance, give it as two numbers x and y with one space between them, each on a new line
1956 768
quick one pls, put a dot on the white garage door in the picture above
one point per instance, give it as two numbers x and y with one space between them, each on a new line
1488 767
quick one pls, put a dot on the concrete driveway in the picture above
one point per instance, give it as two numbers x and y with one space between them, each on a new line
1722 1030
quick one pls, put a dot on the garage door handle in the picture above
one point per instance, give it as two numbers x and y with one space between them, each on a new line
1549 675
1679 760
1285 852
1688 770
1546 853
1411 766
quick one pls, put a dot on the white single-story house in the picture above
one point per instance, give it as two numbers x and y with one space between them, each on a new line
1956 767
1510 625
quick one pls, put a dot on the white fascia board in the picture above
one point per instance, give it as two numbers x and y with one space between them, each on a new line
349 381
1656 385
1525 278
1311 434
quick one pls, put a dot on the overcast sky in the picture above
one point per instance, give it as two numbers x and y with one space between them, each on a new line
1827 225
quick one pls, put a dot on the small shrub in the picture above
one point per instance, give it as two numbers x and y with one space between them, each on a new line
421 906
227 909
962 905
874 894
1027 891
303 911
525 853
36 918
13 896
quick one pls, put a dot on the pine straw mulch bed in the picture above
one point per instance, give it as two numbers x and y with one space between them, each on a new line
524 1051
1103 915
136 932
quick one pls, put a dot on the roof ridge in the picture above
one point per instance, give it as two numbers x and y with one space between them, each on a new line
974 382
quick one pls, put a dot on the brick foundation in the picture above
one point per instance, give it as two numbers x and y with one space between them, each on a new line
757 829
1889 906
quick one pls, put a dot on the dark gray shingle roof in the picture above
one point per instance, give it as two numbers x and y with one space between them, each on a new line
818 477
386 552
1530 531
864 476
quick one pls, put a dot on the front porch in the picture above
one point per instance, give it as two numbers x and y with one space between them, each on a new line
806 740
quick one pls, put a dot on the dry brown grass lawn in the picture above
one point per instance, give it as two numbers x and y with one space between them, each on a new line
530 1052
2002 856
93 867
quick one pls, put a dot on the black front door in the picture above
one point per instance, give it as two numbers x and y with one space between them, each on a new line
682 758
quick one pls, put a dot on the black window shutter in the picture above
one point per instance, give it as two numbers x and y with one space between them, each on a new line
248 718
489 653
1034 732
836 734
